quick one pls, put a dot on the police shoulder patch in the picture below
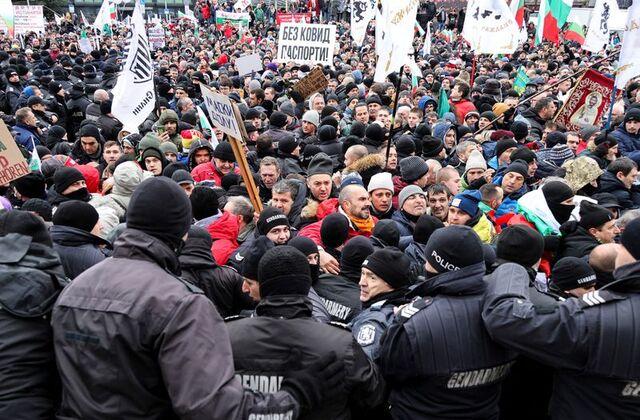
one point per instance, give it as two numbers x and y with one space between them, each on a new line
234 318
598 297
366 335
340 325
409 310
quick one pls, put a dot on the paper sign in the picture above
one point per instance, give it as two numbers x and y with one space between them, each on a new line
304 43
293 17
313 82
220 112
12 164
241 5
247 64
28 19
156 37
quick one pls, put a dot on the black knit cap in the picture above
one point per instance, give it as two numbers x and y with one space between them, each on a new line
556 192
520 129
320 164
355 251
524 154
425 226
224 151
259 247
160 208
64 177
278 119
556 137
304 245
334 230
520 244
284 270
391 265
76 214
25 223
32 185
39 206
505 144
630 238
571 273
519 167
269 218
386 230
453 248
593 215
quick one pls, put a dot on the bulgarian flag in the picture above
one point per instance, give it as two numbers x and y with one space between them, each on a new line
517 8
574 32
112 11
552 16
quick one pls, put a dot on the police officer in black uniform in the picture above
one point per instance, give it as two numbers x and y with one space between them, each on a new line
437 356
592 341
283 337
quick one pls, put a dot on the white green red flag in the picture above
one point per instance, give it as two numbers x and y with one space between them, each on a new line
552 16
517 9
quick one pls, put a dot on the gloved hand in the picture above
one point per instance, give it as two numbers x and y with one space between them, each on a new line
322 380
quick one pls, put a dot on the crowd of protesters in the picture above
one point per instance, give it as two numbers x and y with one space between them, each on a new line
410 261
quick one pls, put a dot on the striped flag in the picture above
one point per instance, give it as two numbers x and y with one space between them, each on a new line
552 16
517 8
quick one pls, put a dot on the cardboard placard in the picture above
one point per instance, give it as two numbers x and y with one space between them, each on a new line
247 64
306 43
220 112
12 164
313 82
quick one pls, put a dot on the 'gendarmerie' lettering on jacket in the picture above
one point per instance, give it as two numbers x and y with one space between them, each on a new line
267 384
478 377
336 309
632 389
284 416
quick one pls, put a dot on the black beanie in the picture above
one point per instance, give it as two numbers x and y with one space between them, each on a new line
224 151
519 167
32 185
269 218
524 154
593 215
304 245
320 164
90 130
278 119
556 137
327 133
76 214
204 202
630 238
571 273
503 145
160 208
391 265
25 223
386 230
334 230
520 244
520 130
259 247
355 251
425 226
452 248
556 192
288 144
65 177
39 206
284 270
376 134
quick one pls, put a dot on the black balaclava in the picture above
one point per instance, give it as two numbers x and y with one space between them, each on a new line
307 247
356 250
555 192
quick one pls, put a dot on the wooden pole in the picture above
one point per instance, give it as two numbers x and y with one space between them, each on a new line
245 170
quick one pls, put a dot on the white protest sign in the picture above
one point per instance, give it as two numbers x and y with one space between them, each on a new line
220 112
247 64
241 5
306 43
28 19
156 37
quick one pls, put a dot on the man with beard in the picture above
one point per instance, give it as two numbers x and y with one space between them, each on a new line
88 148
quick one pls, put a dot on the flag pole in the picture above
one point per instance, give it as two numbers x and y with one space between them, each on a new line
614 92
473 70
395 111
528 98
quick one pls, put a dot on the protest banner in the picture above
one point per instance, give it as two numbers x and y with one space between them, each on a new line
247 64
220 112
241 5
588 101
6 17
313 82
293 17
156 37
12 164
28 19
490 27
305 43
235 19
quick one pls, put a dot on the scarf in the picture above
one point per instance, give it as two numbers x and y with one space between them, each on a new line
363 225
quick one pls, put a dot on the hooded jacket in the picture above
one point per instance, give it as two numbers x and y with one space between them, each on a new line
576 241
79 250
31 277
195 146
224 232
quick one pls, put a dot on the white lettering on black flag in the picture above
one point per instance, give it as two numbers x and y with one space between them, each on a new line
306 43
133 95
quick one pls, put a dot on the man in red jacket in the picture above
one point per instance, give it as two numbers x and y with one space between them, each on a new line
460 102
223 163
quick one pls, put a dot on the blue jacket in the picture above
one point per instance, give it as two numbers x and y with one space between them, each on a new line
510 202
627 142
369 326
24 134
405 227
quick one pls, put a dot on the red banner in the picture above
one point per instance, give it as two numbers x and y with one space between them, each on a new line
588 102
293 17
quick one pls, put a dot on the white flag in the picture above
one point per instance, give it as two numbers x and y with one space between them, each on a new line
396 37
57 19
599 27
85 22
133 95
490 27
362 11
103 17
628 63
426 48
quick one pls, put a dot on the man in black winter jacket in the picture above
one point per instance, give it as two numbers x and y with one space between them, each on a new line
283 337
31 277
590 341
437 356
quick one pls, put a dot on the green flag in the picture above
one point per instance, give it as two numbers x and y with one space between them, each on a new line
520 84
34 160
443 103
